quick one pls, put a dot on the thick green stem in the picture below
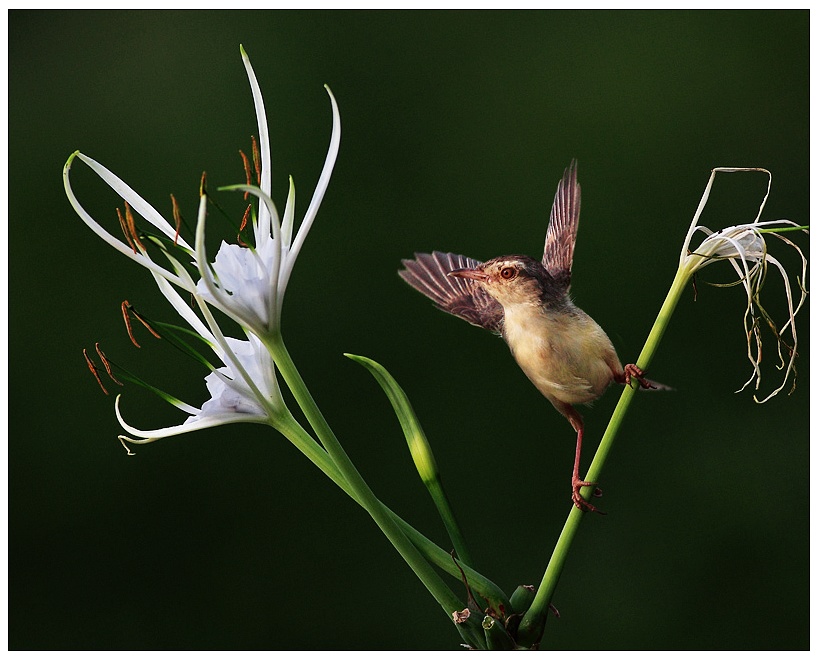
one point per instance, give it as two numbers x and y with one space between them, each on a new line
355 482
645 357
531 627
294 432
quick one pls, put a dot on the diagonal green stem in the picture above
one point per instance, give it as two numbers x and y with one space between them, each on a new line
355 482
294 432
532 625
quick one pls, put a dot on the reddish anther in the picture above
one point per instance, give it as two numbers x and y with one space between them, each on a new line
248 176
125 230
126 308
256 159
131 225
93 369
177 218
243 225
106 364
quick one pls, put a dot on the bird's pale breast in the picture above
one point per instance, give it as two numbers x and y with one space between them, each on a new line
567 356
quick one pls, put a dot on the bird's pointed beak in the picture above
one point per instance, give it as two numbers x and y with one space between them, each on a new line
469 274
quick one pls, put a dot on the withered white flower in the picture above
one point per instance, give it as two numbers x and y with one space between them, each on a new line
745 247
247 283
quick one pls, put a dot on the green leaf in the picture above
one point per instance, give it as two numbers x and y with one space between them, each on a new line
415 437
420 449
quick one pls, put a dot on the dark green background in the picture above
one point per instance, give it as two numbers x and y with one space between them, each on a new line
456 128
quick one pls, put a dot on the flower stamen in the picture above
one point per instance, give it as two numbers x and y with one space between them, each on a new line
243 224
131 224
127 310
126 307
177 219
145 322
107 365
125 231
256 159
247 173
94 371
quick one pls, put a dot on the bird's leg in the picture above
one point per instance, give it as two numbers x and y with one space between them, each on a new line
576 483
632 371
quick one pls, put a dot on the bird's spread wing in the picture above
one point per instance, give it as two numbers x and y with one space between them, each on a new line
562 228
429 274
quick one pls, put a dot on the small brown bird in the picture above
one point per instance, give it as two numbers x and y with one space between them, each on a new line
561 349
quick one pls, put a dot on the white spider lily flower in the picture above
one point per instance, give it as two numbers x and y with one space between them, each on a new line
244 391
745 247
250 282
244 286
246 283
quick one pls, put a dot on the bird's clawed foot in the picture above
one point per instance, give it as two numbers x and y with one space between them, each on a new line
579 501
632 371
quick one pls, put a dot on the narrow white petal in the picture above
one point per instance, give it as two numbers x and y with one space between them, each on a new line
685 258
233 362
801 280
791 322
274 267
179 429
695 222
139 257
289 219
201 259
317 197
136 202
264 146
277 301
178 303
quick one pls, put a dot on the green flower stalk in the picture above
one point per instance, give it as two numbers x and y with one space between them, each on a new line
744 247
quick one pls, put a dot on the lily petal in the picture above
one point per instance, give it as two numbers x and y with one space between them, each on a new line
168 431
265 214
317 197
242 280
139 257
136 202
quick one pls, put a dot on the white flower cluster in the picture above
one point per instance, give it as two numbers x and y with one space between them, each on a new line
247 283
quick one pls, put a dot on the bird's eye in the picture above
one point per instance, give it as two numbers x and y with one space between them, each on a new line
508 273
